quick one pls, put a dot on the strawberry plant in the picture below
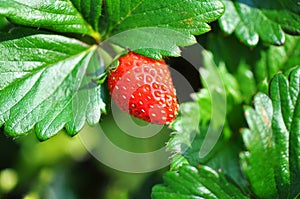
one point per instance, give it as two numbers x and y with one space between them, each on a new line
65 64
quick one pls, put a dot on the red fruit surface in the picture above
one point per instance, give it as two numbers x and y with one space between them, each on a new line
143 87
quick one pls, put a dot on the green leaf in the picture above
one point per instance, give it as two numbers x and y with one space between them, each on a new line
274 59
3 23
192 128
192 183
47 84
213 98
90 10
188 139
186 125
272 159
224 157
257 162
178 161
253 68
60 16
153 42
187 17
254 19
286 130
295 134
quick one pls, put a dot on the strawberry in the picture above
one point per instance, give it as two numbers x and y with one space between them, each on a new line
143 87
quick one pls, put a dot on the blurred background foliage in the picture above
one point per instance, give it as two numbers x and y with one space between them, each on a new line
62 167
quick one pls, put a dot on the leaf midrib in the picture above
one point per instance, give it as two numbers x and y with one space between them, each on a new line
121 19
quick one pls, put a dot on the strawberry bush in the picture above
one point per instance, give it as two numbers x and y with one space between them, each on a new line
235 68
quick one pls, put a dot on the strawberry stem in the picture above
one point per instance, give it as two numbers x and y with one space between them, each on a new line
101 78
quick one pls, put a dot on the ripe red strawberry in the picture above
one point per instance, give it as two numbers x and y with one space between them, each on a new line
143 87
